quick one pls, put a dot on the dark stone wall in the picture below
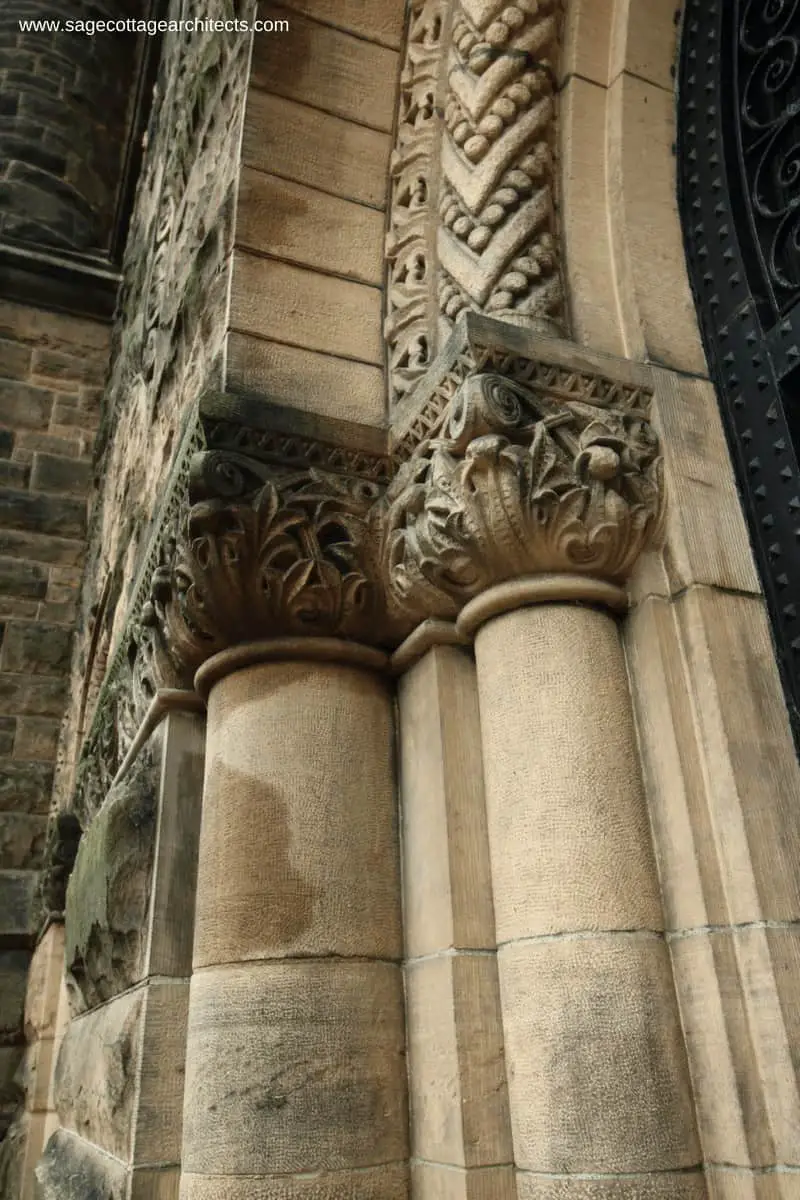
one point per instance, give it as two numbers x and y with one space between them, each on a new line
65 110
52 370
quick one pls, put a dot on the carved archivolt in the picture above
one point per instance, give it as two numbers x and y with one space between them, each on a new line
472 213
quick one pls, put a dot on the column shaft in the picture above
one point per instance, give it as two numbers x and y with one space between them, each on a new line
599 1090
296 1067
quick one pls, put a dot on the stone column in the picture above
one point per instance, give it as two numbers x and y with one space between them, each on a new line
295 1065
599 1089
522 519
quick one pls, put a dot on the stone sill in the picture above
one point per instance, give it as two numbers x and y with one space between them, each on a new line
81 286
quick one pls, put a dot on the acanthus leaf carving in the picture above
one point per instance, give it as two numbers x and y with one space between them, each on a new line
515 466
519 484
297 556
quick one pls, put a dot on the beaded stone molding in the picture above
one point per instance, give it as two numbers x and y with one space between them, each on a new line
472 217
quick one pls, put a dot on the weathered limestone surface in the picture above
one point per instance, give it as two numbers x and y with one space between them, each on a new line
617 133
119 1078
323 820
168 340
447 890
311 206
597 1070
95 1091
723 780
295 1067
51 372
66 109
295 1058
109 893
71 1169
458 1097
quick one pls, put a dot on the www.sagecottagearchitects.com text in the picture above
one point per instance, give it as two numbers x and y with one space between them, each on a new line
90 27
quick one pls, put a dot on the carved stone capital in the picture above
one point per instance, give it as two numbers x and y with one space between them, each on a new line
518 482
266 551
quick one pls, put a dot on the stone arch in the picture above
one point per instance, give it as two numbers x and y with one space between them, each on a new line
472 220
626 277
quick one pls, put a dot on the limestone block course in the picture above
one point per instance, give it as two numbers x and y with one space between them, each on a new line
300 1059
722 774
725 1183
128 1099
689 1185
72 1169
381 22
597 1068
17 915
22 839
331 70
95 1091
737 992
433 1182
13 975
45 981
314 147
447 890
458 1094
108 897
315 793
388 1182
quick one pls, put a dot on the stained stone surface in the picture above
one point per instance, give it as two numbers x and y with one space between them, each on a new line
96 1072
65 106
71 1169
109 890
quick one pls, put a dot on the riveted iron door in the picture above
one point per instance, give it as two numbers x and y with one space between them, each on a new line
739 187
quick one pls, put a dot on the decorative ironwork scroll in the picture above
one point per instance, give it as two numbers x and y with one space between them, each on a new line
739 183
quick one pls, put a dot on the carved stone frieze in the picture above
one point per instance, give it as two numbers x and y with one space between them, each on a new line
472 222
520 482
524 457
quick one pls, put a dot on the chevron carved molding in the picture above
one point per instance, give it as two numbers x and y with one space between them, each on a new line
472 218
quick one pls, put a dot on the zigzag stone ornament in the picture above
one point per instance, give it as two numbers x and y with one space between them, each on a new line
520 483
472 216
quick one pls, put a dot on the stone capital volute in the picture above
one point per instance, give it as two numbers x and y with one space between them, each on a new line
269 552
519 482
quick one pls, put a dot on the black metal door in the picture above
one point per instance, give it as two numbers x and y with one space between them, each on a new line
739 186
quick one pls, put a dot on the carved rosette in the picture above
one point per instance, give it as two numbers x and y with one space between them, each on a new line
520 483
472 222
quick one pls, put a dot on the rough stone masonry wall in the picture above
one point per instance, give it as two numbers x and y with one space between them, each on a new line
64 104
51 374
168 340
